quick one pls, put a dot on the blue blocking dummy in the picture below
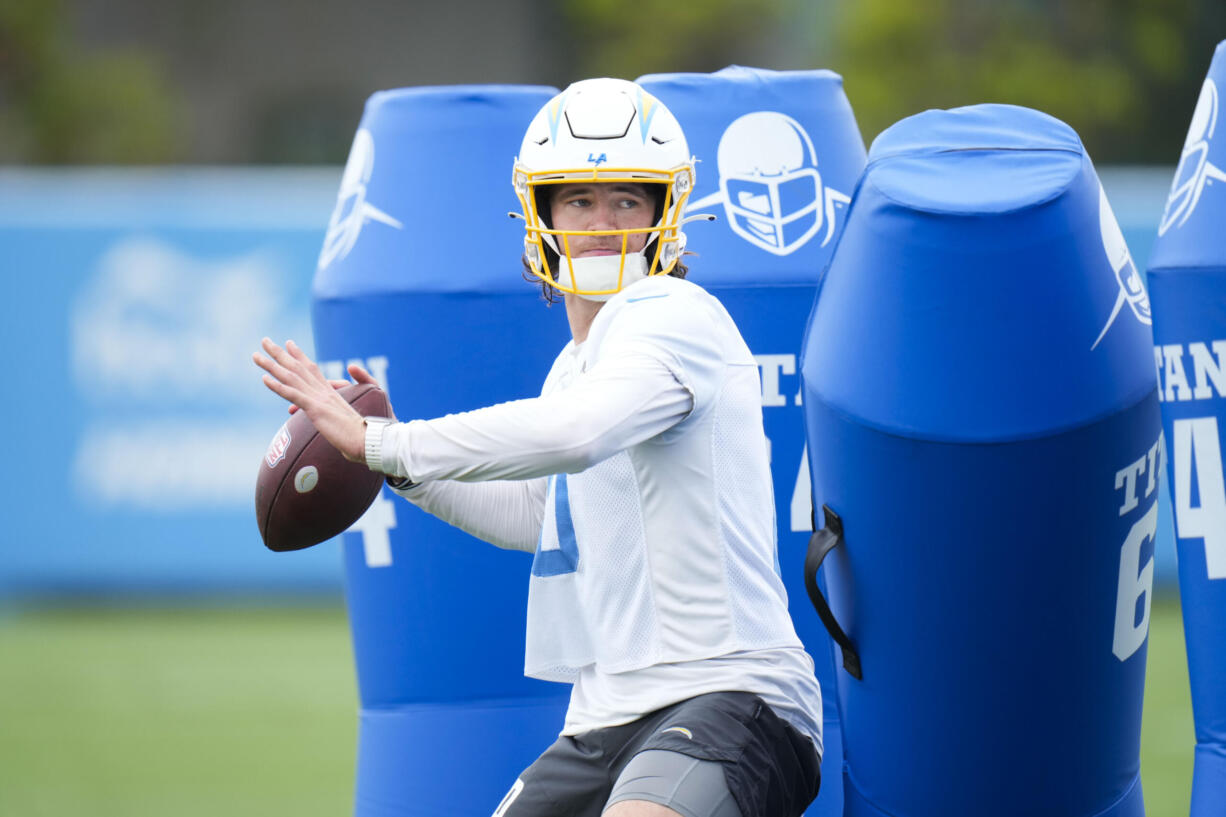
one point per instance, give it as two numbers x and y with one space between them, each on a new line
419 280
1187 279
981 413
779 154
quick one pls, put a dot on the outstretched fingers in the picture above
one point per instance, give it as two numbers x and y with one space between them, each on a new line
290 374
277 377
285 367
277 387
336 384
360 375
307 367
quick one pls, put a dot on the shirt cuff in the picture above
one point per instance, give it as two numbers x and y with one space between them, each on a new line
374 442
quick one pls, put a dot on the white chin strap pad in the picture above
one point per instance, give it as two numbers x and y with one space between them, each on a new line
599 272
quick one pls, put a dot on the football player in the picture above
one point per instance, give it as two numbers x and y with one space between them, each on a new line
640 480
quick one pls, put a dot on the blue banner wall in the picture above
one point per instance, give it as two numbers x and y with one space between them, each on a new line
132 303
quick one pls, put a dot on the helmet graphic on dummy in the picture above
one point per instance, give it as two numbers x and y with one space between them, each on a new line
1195 169
769 178
1132 288
603 130
352 210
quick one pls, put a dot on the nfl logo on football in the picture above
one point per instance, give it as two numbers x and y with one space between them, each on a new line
277 448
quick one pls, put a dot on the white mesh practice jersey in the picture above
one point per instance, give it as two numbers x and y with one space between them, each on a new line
655 572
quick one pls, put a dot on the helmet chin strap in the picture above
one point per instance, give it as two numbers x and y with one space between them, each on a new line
597 273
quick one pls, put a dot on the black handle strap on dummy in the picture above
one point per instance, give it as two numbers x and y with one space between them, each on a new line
822 542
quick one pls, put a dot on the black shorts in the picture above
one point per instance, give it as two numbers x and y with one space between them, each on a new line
769 768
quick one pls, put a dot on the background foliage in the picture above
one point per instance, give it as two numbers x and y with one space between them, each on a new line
1124 73
61 104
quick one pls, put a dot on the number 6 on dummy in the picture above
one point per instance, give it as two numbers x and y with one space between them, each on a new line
1187 280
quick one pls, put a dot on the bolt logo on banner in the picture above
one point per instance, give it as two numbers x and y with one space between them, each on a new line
1195 171
769 184
352 209
1132 289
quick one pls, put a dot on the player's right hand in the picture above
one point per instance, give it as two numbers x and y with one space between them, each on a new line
359 376
298 379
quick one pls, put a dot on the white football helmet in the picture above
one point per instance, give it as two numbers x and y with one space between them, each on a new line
603 130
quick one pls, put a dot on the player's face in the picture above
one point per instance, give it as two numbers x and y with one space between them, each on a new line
601 206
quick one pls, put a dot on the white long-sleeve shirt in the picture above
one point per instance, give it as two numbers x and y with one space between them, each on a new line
640 479
614 406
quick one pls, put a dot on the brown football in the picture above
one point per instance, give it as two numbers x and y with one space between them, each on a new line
307 491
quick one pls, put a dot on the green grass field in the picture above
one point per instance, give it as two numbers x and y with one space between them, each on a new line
1167 737
178 713
205 712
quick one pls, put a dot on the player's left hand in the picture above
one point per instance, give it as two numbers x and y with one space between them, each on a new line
297 378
